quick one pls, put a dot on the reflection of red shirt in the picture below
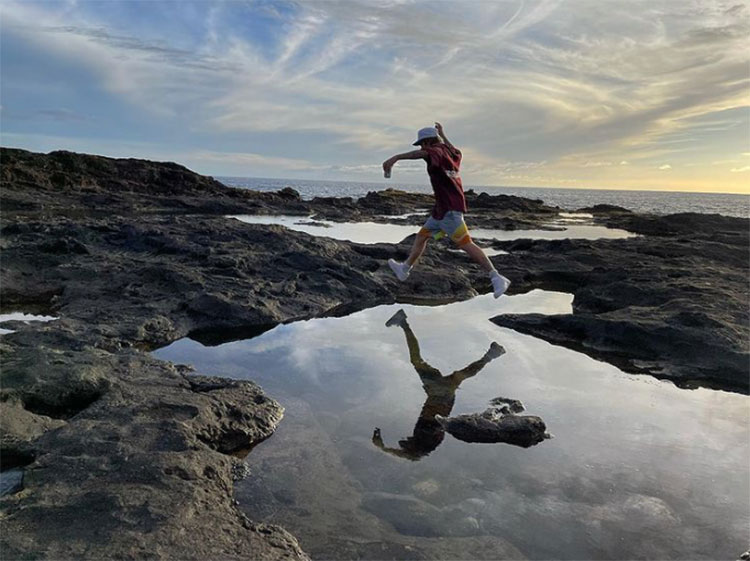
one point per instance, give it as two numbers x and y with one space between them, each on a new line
443 162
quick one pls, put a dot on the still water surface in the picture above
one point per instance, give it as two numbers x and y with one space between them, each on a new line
24 317
637 468
376 232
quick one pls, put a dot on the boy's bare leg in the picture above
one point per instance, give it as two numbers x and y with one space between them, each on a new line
478 255
402 270
499 283
415 356
475 367
417 249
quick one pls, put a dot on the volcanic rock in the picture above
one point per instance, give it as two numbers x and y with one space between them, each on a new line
126 456
498 423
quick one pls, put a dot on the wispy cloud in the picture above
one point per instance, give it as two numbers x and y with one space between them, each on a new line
61 115
572 90
251 160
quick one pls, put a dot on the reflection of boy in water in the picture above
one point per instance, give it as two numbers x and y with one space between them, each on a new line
441 395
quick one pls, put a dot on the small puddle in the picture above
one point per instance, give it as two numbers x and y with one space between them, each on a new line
572 217
11 481
571 231
21 317
637 468
375 232
576 215
423 212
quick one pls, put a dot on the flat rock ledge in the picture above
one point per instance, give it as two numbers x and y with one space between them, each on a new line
125 456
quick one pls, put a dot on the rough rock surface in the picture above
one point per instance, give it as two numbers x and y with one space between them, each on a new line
82 185
129 457
124 455
673 303
498 423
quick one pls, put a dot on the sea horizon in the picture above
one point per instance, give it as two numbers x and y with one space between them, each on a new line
390 184
568 198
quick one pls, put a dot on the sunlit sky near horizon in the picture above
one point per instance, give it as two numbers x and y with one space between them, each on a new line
581 94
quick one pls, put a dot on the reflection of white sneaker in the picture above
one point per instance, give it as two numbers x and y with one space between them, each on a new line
401 270
496 350
499 283
399 318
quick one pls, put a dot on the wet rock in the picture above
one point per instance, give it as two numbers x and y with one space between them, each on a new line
496 425
289 194
148 460
229 426
158 328
240 471
66 183
508 203
63 246
48 383
130 456
513 405
605 209
674 306
19 428
504 212
715 226
13 325
314 223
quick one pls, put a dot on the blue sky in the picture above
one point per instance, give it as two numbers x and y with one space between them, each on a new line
641 95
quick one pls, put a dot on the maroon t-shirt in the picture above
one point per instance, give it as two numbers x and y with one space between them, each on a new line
443 162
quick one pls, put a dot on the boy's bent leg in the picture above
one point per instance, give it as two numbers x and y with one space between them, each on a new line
424 370
475 367
478 255
499 283
430 229
402 270
417 249
460 236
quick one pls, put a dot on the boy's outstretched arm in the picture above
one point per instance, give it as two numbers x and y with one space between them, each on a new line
444 138
413 155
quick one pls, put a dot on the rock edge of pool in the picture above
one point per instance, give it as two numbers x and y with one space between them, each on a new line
124 455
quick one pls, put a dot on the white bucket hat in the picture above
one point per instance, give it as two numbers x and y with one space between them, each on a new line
427 132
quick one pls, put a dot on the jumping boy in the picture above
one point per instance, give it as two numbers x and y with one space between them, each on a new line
443 162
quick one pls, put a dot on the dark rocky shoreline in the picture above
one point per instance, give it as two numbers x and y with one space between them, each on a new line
127 456
672 303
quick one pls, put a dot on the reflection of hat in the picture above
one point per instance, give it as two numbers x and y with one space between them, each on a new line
427 132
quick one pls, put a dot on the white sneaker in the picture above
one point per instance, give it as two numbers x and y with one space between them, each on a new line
401 270
500 284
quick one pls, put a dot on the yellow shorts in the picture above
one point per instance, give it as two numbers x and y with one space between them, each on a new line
452 224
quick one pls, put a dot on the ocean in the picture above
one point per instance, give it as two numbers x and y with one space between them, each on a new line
656 202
